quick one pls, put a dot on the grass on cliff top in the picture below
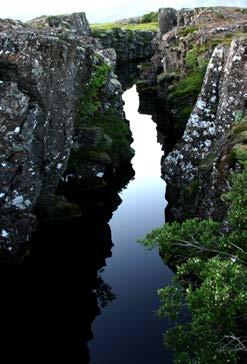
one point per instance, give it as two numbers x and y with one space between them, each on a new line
109 26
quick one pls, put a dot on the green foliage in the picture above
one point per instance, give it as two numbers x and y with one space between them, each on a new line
190 86
187 30
118 131
217 303
184 94
239 116
115 150
191 59
211 280
237 197
150 17
91 100
199 236
91 115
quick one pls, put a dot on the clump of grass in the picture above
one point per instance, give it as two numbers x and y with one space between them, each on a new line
187 30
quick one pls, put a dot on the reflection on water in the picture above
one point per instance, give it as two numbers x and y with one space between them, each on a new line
49 302
128 330
74 276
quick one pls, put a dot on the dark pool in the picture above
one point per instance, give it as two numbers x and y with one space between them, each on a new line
77 298
128 331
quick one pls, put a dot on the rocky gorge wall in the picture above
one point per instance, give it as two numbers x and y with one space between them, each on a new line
129 45
54 77
198 75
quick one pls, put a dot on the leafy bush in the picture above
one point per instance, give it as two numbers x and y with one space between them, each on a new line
211 280
179 241
217 304
150 17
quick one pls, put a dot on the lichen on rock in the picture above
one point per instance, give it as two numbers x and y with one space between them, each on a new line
45 67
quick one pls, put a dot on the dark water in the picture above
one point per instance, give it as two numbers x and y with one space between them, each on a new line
74 279
128 330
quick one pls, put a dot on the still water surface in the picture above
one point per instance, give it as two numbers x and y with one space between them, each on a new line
128 331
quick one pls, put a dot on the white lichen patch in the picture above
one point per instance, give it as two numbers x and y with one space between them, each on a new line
201 104
18 202
4 233
100 174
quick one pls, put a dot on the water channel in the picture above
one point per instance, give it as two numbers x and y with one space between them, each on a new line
128 331
87 291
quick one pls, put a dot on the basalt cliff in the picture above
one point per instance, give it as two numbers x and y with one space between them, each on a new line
62 124
198 74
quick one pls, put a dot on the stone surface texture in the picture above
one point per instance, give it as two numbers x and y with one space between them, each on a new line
44 67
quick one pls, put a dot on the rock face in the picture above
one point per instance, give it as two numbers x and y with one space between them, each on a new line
167 20
75 23
222 95
197 73
44 67
219 102
129 45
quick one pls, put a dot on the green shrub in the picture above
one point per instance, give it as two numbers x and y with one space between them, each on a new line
216 300
150 17
211 280
179 241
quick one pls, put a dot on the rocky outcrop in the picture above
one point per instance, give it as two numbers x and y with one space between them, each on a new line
219 103
129 45
221 97
167 20
45 67
73 23
197 74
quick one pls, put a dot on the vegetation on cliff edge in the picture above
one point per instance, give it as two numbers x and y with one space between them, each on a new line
115 145
210 258
110 26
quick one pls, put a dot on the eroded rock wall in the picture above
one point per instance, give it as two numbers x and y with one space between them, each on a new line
45 66
197 74
220 101
129 45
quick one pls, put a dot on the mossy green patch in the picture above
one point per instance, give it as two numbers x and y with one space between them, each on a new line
91 99
183 95
167 77
187 30
118 131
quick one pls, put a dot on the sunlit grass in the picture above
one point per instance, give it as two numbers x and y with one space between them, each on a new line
108 26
